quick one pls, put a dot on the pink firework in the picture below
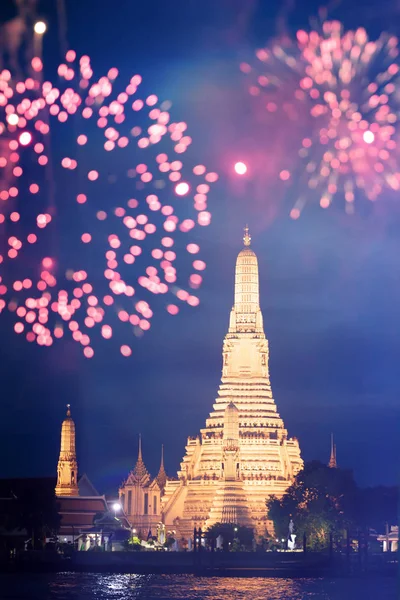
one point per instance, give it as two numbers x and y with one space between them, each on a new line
339 92
88 162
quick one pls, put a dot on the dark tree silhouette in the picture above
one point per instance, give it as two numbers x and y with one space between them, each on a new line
320 501
34 509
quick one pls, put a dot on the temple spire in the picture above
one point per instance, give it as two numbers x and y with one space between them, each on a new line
140 448
67 468
247 236
332 461
246 315
162 475
244 454
140 468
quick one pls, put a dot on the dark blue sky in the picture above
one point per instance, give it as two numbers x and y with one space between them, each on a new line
329 283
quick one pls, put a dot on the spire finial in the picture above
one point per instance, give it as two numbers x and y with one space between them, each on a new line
68 410
332 461
140 468
247 236
162 476
140 447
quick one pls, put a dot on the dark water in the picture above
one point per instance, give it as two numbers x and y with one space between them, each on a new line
87 586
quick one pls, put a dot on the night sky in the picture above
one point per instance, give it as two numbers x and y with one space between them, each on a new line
329 283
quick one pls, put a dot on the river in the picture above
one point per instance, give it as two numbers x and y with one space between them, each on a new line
94 586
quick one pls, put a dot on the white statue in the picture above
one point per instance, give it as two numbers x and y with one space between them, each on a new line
291 541
292 536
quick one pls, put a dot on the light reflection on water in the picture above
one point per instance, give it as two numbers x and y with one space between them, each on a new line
94 586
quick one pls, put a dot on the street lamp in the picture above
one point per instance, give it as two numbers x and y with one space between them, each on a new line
116 508
40 27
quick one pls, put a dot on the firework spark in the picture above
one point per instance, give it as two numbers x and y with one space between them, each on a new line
342 91
136 200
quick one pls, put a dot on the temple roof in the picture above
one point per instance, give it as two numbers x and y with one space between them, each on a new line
86 487
140 468
78 513
162 477
246 252
68 425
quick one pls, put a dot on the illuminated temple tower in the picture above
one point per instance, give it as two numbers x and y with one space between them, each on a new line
243 455
67 468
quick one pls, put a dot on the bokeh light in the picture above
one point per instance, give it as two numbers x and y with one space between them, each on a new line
182 188
128 200
240 168
368 137
40 27
336 93
25 138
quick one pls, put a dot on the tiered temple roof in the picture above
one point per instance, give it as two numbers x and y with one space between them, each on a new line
140 468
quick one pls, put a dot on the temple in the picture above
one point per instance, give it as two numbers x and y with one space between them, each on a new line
67 468
78 501
243 455
140 495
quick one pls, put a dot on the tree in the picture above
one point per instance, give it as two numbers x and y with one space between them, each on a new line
35 509
320 501
235 537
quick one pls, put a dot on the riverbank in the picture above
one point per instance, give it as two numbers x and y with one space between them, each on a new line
226 564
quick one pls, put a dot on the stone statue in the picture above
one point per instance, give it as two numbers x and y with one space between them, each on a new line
292 536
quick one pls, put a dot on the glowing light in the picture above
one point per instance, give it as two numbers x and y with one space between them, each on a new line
240 168
126 350
61 301
13 119
25 138
339 91
181 189
368 137
40 27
